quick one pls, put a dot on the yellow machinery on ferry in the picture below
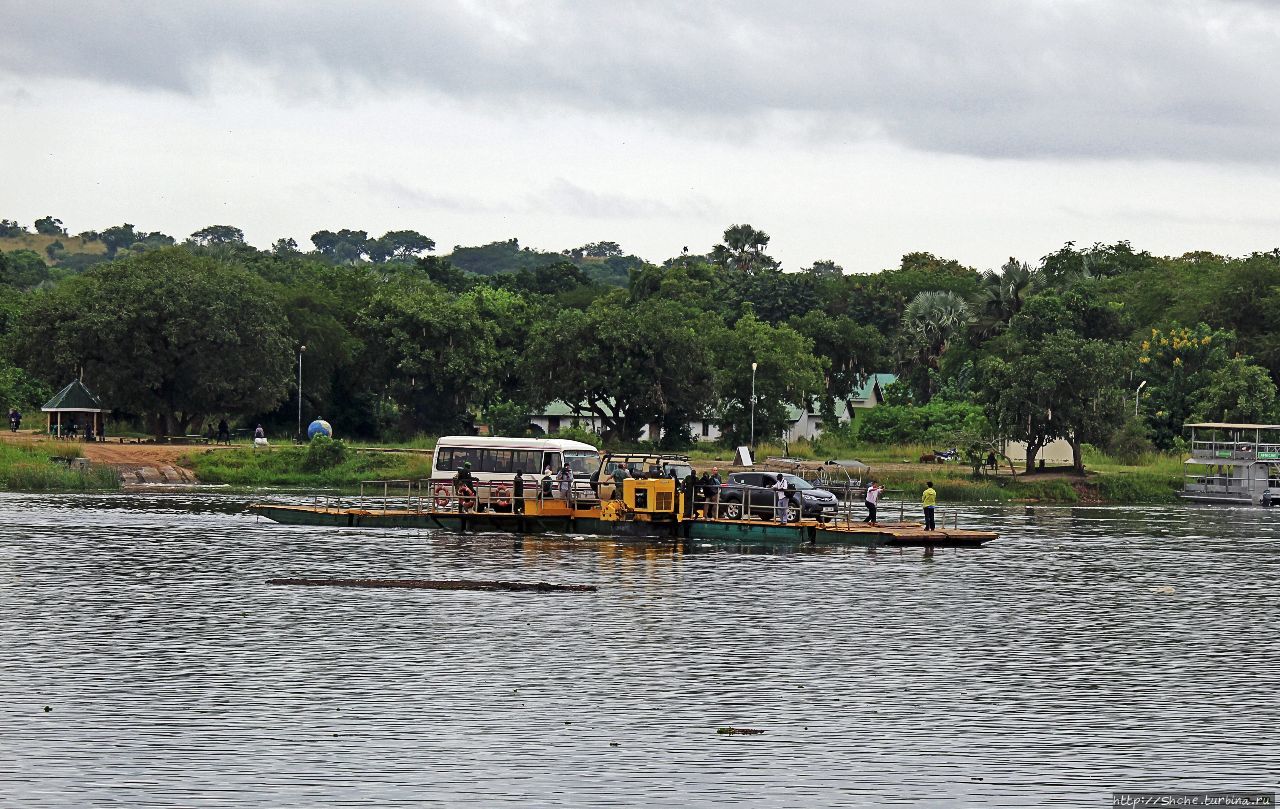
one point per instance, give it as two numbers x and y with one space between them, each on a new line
655 500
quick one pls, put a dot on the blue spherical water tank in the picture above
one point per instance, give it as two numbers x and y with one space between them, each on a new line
319 427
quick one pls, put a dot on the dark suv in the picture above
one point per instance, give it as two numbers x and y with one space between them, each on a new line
755 490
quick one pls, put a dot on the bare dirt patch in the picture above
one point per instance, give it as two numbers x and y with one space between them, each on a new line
128 459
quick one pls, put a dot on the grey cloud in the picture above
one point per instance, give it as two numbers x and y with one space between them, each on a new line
1178 79
401 195
561 197
569 199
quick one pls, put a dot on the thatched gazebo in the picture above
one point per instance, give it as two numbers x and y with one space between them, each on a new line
74 406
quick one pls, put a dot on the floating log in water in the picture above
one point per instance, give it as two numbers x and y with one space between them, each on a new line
444 584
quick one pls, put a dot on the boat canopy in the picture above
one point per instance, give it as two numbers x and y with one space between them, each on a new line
1221 461
1213 425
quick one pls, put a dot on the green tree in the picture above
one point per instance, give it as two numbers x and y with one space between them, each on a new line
215 235
1057 373
629 366
825 268
167 335
438 356
342 247
118 237
509 419
399 245
1246 299
929 324
50 226
1237 392
852 352
10 229
787 374
23 269
743 250
1176 364
1001 296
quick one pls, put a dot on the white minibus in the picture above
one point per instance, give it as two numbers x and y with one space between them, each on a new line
495 461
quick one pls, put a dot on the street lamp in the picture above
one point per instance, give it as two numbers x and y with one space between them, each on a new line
1136 394
754 365
300 350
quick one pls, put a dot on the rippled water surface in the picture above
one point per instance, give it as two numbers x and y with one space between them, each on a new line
1090 649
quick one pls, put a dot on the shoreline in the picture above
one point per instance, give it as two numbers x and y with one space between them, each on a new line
289 466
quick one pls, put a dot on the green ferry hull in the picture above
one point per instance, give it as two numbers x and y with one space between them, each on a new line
739 532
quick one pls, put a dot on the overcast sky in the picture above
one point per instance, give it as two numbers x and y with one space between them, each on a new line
852 131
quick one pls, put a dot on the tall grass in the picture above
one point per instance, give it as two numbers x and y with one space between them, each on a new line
31 468
287 466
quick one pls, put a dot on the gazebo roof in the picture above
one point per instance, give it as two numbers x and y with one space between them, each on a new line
74 398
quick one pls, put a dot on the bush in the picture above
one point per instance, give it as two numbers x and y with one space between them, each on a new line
934 423
578 434
1139 488
509 419
324 453
1131 442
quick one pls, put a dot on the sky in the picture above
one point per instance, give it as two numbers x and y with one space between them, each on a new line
849 131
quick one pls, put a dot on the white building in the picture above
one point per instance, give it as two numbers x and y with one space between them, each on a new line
802 423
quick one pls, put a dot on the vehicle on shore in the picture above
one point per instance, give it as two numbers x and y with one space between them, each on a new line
1232 463
752 494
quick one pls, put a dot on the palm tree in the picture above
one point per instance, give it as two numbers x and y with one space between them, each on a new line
929 322
1002 294
743 250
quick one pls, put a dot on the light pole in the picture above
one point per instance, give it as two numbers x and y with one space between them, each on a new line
1136 394
754 365
300 350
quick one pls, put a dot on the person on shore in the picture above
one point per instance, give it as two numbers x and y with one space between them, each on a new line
1266 498
517 493
991 459
224 432
15 419
780 497
929 500
464 485
260 437
873 497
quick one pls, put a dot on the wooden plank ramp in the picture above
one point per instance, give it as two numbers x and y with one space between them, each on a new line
442 584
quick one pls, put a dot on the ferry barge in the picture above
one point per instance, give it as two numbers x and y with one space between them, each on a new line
1237 464
643 509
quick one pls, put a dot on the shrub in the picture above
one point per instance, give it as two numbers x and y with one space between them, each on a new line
324 453
934 423
1131 442
579 434
509 419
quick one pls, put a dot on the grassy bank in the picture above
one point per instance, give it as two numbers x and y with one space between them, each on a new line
1155 479
33 468
343 467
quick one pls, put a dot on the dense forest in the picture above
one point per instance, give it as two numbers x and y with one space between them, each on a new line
1104 345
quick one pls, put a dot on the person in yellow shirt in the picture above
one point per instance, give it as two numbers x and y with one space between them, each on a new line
929 499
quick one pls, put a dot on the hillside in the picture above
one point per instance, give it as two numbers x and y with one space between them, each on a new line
38 243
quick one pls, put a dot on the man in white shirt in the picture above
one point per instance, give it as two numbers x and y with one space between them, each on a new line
873 497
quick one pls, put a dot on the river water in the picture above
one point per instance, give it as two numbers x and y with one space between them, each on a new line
144 662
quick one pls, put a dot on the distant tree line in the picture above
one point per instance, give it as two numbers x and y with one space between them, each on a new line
400 340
